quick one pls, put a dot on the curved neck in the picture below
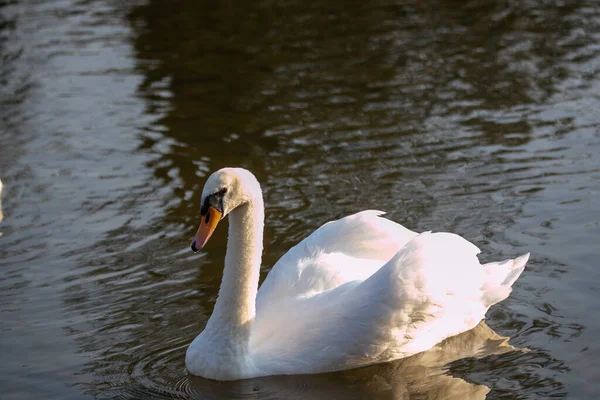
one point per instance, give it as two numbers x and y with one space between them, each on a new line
236 305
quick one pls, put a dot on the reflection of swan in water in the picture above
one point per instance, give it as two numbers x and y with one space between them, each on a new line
421 374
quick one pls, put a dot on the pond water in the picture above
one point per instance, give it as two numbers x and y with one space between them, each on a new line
479 118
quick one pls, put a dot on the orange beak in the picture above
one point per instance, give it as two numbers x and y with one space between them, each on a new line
208 223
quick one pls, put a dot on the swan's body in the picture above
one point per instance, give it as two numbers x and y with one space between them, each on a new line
358 291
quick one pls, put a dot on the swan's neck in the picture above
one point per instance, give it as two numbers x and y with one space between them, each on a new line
235 309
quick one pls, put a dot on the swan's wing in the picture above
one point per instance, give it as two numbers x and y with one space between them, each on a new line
433 288
430 290
348 249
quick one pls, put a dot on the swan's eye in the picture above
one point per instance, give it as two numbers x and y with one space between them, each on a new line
222 191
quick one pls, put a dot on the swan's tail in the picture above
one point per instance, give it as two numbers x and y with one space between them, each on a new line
499 278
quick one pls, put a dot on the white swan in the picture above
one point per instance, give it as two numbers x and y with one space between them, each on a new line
360 290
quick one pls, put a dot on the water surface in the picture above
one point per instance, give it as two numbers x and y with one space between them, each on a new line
468 117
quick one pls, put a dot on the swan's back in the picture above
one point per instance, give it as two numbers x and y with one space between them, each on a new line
313 316
341 251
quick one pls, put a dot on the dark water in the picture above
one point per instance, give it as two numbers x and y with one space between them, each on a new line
480 118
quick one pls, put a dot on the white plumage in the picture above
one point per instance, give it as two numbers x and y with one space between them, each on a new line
357 291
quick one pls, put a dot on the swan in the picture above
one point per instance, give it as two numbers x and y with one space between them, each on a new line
360 290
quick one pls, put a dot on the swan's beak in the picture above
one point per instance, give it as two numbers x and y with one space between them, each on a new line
208 223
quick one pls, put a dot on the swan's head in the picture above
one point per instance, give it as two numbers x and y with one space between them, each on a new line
224 191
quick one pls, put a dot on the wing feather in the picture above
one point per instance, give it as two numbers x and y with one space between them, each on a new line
348 249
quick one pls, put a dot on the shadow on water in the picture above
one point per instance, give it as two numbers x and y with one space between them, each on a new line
440 90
